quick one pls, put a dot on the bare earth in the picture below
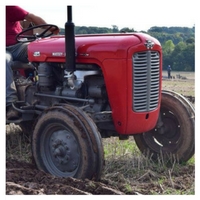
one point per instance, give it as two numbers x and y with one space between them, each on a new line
24 178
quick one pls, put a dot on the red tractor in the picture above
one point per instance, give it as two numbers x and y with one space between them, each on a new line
79 89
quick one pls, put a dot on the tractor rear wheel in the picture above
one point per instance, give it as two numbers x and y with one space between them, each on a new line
174 140
66 143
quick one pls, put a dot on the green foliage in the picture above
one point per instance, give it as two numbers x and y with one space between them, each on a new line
126 167
181 58
92 30
178 46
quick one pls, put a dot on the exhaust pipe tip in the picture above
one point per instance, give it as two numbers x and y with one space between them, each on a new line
69 13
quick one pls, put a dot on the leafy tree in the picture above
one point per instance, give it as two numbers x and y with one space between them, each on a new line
168 48
183 57
189 55
190 41
126 30
115 29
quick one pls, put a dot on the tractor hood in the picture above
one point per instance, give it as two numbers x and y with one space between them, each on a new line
98 47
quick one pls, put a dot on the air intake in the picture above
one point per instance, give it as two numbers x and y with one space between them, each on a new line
146 81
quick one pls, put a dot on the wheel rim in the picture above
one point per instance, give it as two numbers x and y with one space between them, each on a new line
61 152
168 140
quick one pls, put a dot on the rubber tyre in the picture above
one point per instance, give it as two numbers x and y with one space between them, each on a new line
66 143
177 142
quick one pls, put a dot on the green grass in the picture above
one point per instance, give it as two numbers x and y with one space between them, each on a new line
128 169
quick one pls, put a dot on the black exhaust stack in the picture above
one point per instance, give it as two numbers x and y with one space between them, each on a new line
70 42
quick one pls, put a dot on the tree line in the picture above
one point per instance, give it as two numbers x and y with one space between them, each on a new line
178 46
178 43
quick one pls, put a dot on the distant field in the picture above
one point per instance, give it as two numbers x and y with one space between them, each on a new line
182 82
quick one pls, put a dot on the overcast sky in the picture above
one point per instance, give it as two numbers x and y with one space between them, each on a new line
139 15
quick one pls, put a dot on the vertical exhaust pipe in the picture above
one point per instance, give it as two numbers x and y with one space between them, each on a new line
70 53
69 42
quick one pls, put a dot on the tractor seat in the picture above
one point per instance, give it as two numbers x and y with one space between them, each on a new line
16 65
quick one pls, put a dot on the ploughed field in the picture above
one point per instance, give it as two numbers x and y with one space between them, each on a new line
126 171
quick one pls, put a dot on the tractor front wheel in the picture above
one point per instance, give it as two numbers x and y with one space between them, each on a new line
66 143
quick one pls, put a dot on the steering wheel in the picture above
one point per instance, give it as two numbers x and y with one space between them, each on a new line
49 30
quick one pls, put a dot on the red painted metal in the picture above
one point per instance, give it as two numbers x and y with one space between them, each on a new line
113 54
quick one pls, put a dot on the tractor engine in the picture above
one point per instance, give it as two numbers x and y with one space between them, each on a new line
50 88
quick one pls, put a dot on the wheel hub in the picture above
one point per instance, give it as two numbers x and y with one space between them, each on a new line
64 151
168 139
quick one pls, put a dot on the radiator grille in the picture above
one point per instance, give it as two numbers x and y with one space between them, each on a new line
146 81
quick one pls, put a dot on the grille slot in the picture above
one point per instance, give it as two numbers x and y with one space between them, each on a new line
146 81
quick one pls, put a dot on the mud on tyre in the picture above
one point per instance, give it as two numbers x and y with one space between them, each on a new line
66 143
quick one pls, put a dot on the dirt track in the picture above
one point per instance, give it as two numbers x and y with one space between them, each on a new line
24 178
